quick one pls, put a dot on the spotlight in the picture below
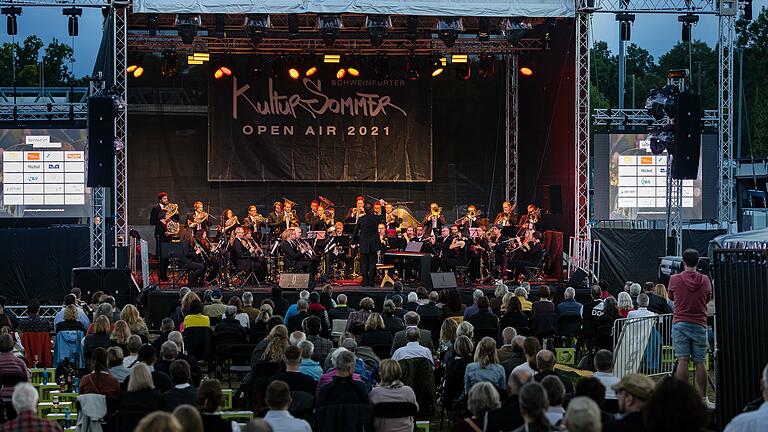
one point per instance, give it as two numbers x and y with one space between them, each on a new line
483 29
331 58
221 68
294 73
438 65
187 26
662 138
625 25
136 70
463 71
310 68
353 71
412 68
168 66
72 13
256 26
330 26
293 26
341 73
526 71
448 30
377 26
661 102
198 58
459 58
487 66
514 29
412 28
11 13
688 20
294 68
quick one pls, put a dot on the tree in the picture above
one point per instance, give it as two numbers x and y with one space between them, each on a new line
752 38
679 57
604 73
25 59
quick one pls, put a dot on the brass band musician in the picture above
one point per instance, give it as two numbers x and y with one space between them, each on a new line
529 220
290 220
194 256
228 222
357 211
435 219
506 217
197 219
295 251
246 253
311 215
160 216
253 220
275 218
391 220
469 220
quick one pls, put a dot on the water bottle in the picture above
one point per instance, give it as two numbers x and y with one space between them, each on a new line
77 385
67 418
45 376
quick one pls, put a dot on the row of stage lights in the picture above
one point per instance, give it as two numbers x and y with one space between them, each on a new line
296 67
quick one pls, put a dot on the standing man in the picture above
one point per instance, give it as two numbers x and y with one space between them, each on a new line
366 230
158 217
691 292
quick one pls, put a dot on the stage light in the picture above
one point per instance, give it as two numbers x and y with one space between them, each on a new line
221 68
662 138
412 28
329 26
514 29
72 14
341 73
412 68
135 70
168 67
310 71
353 71
198 58
625 25
293 26
187 26
355 67
459 58
331 58
294 73
487 66
11 13
438 65
377 26
483 29
688 21
463 72
448 29
661 102
526 71
191 60
256 27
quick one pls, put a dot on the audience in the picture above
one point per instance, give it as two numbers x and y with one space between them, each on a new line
531 347
513 314
230 325
453 306
412 302
140 398
342 389
342 310
446 338
99 338
556 396
753 420
375 334
116 367
295 380
24 408
533 407
412 320
474 308
604 372
278 399
642 308
483 398
486 367
430 310
357 319
196 317
413 347
593 389
280 305
216 308
656 304
241 316
633 392
484 317
392 322
33 321
308 365
318 310
11 367
189 418
159 421
100 381
69 300
583 415
160 380
624 303
322 346
70 320
456 369
209 400
675 406
135 322
121 333
569 305
508 417
517 356
294 308
545 363
182 392
294 322
544 305
248 309
390 390
506 350
522 297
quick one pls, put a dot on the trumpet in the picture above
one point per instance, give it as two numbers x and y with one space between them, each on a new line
471 215
435 212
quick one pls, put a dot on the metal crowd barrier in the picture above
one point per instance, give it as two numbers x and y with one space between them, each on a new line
46 311
643 345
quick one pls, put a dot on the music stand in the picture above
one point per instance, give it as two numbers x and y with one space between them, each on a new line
173 251
509 231
251 273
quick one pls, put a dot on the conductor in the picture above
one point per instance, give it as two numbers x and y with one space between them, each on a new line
366 230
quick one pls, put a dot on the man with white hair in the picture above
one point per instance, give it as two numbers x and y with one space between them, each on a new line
248 308
569 305
412 302
194 367
505 351
431 309
642 308
583 415
508 416
468 312
294 308
342 310
753 421
24 402
296 338
309 366
229 324
634 290
522 295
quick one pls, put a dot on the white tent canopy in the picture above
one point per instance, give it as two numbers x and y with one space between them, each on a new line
490 8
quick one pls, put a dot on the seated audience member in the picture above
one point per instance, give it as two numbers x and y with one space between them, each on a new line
248 309
413 349
398 300
70 320
675 406
69 300
322 347
294 308
473 309
135 322
633 392
453 306
189 418
446 338
497 301
513 316
240 315
610 313
209 400
99 337
294 322
412 321
309 366
604 372
119 336
100 381
484 318
279 304
278 399
139 399
430 309
342 310
296 380
483 398
116 368
754 420
166 327
642 308
105 310
392 389
592 310
531 347
33 321
604 293
508 416
24 406
456 369
522 296
134 344
260 324
412 302
182 391
159 421
375 334
343 389
95 301
365 370
516 355
230 324
196 317
392 323
593 389
277 339
160 380
486 367
318 310
356 320
656 304
296 337
10 366
661 291
533 407
216 308
634 291
624 303
570 306
327 377
545 362
583 415
556 396
168 354
544 306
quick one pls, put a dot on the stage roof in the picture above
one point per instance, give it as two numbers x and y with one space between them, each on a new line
491 8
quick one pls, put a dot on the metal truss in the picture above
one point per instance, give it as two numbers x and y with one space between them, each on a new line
120 35
639 117
581 127
46 311
700 7
59 4
43 95
22 112
511 129
725 129
98 220
674 214
143 42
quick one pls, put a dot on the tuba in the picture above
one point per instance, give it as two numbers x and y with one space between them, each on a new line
171 227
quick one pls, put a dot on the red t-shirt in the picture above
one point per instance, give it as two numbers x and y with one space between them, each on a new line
691 292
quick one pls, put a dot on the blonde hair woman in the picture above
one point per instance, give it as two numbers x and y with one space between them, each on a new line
376 336
120 335
70 320
277 342
486 367
135 322
159 421
141 397
392 389
662 292
624 303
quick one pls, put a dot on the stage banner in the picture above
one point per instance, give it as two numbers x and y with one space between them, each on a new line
319 129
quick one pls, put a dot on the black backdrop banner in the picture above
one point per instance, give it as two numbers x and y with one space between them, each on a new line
319 129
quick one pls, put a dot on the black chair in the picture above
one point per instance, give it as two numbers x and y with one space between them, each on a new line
381 350
523 331
432 324
480 333
239 358
215 321
395 410
544 325
535 273
604 338
569 326
197 341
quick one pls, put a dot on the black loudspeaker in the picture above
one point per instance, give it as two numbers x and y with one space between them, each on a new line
685 160
577 278
552 199
116 282
294 280
443 280
101 141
